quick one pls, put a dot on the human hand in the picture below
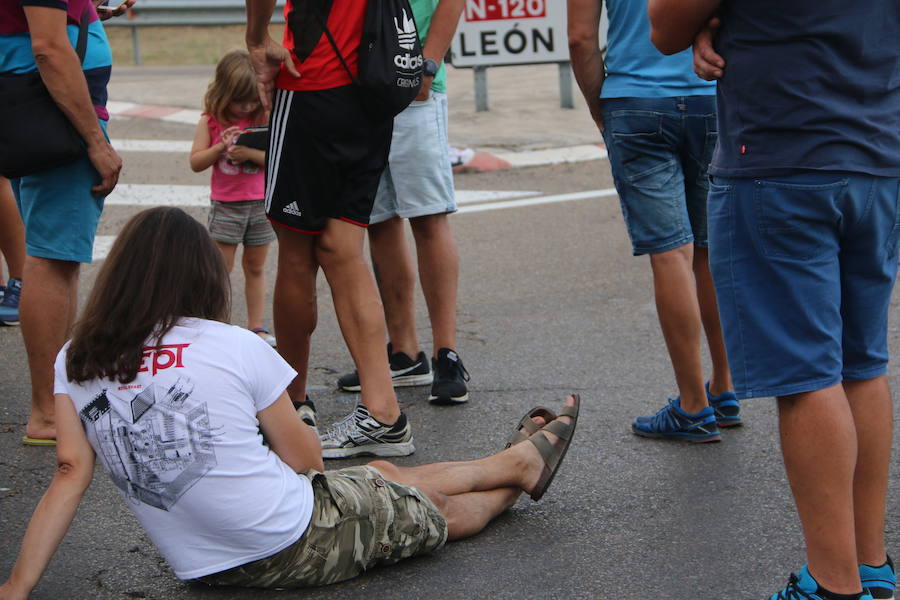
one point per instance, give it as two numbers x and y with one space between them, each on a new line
230 134
238 154
108 164
109 12
267 59
708 64
425 90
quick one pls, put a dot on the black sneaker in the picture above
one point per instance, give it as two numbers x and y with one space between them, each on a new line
306 410
405 372
450 377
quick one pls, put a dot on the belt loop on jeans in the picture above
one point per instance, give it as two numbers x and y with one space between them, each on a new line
681 103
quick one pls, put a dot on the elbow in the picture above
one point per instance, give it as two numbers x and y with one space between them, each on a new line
46 51
580 44
665 44
196 167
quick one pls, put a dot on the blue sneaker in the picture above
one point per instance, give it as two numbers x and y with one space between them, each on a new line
672 422
880 581
804 587
727 407
9 306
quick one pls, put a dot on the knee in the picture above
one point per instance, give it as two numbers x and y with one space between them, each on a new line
682 255
253 268
387 469
429 226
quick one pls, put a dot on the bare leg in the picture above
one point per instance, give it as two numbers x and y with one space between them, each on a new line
396 283
720 381
254 263
12 232
340 252
468 514
519 466
228 251
47 310
294 305
870 402
439 275
819 444
679 316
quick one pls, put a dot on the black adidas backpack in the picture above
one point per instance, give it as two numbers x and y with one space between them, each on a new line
390 55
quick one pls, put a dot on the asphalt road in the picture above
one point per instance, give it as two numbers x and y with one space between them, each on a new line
551 302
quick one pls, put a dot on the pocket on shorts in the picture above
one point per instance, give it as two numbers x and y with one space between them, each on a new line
639 150
796 221
893 239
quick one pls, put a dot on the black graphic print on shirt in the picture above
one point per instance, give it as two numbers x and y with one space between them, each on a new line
155 443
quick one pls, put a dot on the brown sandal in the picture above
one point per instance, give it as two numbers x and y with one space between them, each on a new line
526 427
553 454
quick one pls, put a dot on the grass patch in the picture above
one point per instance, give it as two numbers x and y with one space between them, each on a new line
171 46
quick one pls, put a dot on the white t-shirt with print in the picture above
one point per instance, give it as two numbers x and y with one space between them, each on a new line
182 443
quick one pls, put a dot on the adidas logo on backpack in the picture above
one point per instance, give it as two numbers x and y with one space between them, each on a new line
406 31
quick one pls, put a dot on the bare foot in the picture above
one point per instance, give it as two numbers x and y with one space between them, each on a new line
39 427
534 462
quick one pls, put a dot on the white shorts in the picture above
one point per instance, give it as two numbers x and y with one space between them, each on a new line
418 180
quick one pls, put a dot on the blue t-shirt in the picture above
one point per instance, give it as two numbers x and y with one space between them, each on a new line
809 84
15 44
635 68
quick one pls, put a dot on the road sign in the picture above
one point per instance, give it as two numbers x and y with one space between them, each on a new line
510 32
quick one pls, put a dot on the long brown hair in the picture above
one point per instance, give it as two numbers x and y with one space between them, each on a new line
235 80
163 266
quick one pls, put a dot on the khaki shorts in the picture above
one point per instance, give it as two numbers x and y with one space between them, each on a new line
360 520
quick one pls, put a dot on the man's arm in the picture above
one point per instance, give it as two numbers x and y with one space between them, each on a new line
266 54
675 23
61 72
440 34
584 52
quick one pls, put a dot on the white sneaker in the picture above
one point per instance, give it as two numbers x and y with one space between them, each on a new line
361 434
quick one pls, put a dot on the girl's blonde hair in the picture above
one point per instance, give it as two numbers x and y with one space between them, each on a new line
235 80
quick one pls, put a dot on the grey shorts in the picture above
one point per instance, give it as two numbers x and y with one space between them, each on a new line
360 520
240 223
418 180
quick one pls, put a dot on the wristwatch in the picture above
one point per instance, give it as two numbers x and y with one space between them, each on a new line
429 68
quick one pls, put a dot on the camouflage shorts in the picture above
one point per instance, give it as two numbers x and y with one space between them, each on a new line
359 520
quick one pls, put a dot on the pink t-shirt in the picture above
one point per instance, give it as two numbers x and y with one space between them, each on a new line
230 182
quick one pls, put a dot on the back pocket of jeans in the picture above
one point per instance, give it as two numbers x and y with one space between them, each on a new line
797 221
641 153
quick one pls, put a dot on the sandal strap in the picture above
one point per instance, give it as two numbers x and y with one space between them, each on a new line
559 429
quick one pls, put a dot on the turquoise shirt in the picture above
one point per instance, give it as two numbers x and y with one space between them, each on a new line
635 68
423 10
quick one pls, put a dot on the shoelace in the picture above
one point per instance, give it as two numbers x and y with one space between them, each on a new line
337 430
663 419
792 591
458 366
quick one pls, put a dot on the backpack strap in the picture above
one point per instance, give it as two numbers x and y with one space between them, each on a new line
334 45
81 44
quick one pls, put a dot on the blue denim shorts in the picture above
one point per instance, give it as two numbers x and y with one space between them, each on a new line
59 210
659 150
418 180
804 266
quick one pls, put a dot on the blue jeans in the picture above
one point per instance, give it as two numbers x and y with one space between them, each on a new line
803 267
659 150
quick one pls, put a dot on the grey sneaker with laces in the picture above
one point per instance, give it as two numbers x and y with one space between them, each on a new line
359 433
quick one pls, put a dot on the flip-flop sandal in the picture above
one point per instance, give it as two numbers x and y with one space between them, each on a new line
553 454
526 427
30 441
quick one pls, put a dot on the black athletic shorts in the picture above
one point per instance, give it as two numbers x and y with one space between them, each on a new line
325 158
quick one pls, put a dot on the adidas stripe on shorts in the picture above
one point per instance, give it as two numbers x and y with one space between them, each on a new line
325 158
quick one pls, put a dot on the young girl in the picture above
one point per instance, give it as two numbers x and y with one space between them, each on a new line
237 215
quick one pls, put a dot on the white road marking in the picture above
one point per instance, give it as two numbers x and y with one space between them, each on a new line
151 145
539 200
197 195
137 194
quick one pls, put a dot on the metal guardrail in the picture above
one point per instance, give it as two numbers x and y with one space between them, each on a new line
178 13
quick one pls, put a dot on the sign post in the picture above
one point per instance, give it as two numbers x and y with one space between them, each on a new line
496 33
